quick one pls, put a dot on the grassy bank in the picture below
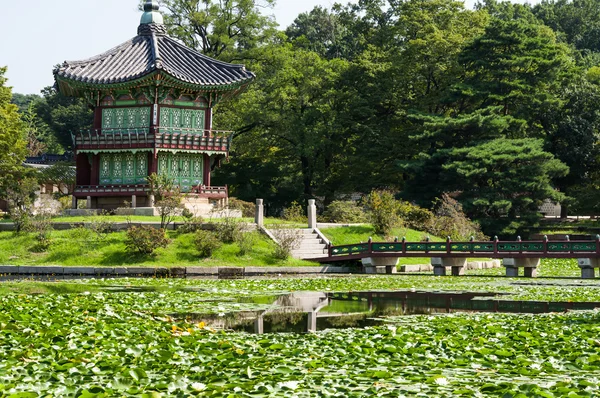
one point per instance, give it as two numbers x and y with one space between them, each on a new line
78 247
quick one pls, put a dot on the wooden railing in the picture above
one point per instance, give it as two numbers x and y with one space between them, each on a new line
493 249
167 138
144 189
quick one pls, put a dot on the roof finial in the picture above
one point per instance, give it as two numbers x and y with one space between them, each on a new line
151 13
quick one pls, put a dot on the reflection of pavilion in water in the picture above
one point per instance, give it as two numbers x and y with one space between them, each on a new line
302 312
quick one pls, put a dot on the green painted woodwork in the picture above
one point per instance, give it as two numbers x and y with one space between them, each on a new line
125 118
184 103
174 119
125 102
123 168
185 169
127 150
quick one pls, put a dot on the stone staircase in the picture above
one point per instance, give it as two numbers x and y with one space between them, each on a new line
311 246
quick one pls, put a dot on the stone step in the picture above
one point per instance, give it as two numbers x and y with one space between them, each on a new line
312 242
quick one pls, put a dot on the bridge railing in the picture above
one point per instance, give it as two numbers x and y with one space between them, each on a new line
489 248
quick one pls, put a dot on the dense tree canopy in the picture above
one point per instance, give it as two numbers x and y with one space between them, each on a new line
496 106
12 137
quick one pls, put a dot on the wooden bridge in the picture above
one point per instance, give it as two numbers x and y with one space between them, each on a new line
517 254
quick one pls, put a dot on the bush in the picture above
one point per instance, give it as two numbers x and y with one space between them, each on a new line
100 228
294 213
207 243
248 208
245 242
41 226
450 220
288 240
228 229
145 239
341 211
415 217
383 211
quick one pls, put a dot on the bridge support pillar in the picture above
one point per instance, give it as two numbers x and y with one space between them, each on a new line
259 325
380 265
458 265
588 267
312 321
529 265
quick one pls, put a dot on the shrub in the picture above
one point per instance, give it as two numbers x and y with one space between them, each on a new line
145 239
383 211
288 240
294 213
207 243
248 208
228 229
415 217
245 242
41 226
100 228
450 220
340 211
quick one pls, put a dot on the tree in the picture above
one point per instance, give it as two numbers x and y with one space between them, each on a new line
12 137
63 115
320 31
220 29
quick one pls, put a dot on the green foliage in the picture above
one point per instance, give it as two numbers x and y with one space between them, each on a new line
228 229
145 239
168 197
247 208
41 226
206 243
245 242
382 208
20 196
62 116
220 29
191 223
340 211
415 217
294 212
529 355
449 220
12 138
287 241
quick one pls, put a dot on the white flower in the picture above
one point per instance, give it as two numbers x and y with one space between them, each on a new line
198 386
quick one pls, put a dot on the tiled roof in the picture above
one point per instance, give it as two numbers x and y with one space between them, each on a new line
151 51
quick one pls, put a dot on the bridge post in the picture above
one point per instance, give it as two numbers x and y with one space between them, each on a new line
312 214
530 265
259 215
458 264
588 267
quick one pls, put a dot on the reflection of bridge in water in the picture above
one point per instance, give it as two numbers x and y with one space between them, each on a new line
515 254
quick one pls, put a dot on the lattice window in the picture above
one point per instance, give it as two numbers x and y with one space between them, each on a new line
185 166
105 166
120 118
188 119
144 120
163 165
132 117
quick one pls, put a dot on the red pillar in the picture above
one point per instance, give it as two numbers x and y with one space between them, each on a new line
206 179
208 120
95 170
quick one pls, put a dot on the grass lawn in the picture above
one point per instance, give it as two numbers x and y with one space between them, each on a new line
81 247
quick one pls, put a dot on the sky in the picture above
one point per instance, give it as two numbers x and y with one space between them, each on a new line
38 34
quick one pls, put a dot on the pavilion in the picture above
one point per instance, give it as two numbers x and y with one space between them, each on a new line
153 101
